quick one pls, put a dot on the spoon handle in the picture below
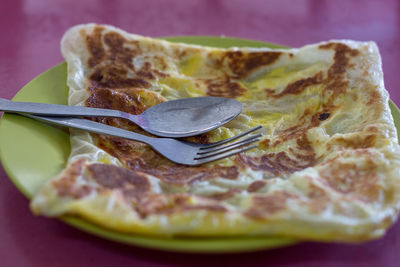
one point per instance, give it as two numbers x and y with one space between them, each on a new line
92 126
57 110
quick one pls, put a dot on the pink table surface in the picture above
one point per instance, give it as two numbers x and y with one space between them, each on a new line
30 34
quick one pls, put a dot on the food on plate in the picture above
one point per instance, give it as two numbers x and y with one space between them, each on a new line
327 167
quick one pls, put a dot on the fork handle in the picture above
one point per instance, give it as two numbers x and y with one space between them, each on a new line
92 126
57 110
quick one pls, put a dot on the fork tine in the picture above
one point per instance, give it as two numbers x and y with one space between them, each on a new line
228 148
223 155
233 145
232 138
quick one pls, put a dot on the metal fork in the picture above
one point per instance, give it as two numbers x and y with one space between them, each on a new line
178 151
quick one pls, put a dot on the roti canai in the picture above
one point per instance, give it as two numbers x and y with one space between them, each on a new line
327 167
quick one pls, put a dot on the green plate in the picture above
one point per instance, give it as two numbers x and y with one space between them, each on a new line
32 152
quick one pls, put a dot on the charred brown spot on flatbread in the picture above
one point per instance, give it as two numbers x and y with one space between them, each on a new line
300 130
281 163
298 86
132 184
265 143
318 198
224 88
111 58
356 142
374 97
243 63
151 204
277 164
146 72
256 185
66 185
265 206
226 195
97 52
351 179
178 174
110 77
130 100
304 151
335 83
117 52
342 57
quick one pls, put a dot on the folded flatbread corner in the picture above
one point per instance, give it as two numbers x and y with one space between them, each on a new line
327 168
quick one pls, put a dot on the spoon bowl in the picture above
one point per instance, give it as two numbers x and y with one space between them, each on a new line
189 116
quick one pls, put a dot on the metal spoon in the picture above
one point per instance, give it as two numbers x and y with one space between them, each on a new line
176 118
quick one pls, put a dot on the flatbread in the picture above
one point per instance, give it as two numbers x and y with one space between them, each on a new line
327 167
